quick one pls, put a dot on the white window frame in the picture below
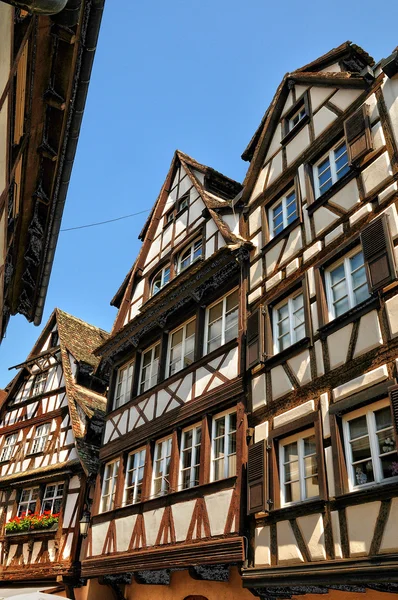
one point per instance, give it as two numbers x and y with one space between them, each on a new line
113 478
299 438
164 279
194 463
284 201
227 433
8 447
332 162
25 503
165 480
348 279
368 411
183 346
58 495
190 249
40 439
292 331
302 108
151 349
39 383
124 384
137 483
224 315
183 201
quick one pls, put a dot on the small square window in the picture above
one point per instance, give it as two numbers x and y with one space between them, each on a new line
52 499
41 437
28 501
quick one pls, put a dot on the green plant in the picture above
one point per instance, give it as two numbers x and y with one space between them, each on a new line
29 522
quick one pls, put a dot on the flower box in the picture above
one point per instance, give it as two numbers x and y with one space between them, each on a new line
34 522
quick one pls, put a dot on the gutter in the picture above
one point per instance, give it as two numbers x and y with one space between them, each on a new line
90 30
40 7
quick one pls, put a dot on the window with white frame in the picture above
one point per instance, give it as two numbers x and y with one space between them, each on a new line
52 499
41 437
346 284
28 501
8 447
124 382
160 279
222 322
39 383
331 168
183 201
288 322
190 457
149 368
370 445
224 446
297 117
109 486
181 350
134 477
298 468
282 213
189 255
161 467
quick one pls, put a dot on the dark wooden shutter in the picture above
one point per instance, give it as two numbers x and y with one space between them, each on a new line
257 478
309 184
321 302
357 133
254 338
378 253
393 393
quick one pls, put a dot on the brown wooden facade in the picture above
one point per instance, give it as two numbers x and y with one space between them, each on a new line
176 365
50 430
45 68
321 197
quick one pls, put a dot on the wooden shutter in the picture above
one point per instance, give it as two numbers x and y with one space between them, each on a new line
309 184
357 133
378 253
393 393
321 301
257 478
254 338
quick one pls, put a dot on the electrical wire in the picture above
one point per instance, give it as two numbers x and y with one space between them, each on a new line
108 221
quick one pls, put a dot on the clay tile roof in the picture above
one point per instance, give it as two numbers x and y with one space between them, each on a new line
79 337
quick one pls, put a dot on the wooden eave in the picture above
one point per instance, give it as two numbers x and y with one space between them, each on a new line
30 361
40 474
179 291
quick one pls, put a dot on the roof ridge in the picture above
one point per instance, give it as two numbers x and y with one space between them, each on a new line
85 323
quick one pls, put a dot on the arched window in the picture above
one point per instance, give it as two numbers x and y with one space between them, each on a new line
189 255
160 279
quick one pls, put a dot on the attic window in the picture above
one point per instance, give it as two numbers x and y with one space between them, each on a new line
54 340
183 202
296 118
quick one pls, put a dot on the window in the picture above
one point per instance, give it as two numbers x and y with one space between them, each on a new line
296 117
8 448
224 446
183 201
331 168
28 501
109 486
161 483
346 284
134 477
189 255
54 340
370 445
282 213
161 278
181 347
298 468
190 457
124 384
170 216
52 498
288 322
222 322
149 368
40 439
39 383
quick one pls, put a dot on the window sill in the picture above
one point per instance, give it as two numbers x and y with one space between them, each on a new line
296 129
351 315
281 357
375 491
166 500
295 510
336 187
179 375
22 536
280 236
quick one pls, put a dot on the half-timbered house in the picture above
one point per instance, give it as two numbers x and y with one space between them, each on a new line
321 212
168 507
50 430
45 67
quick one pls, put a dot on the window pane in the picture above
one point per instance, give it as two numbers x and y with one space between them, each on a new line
292 492
220 427
215 312
311 487
309 446
291 471
364 473
358 427
291 452
389 465
219 469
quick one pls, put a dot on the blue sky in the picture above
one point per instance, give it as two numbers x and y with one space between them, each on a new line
194 75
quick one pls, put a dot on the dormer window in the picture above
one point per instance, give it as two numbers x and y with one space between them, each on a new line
161 278
189 255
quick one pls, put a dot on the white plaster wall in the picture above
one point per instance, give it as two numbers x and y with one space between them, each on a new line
262 546
217 508
361 521
298 144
